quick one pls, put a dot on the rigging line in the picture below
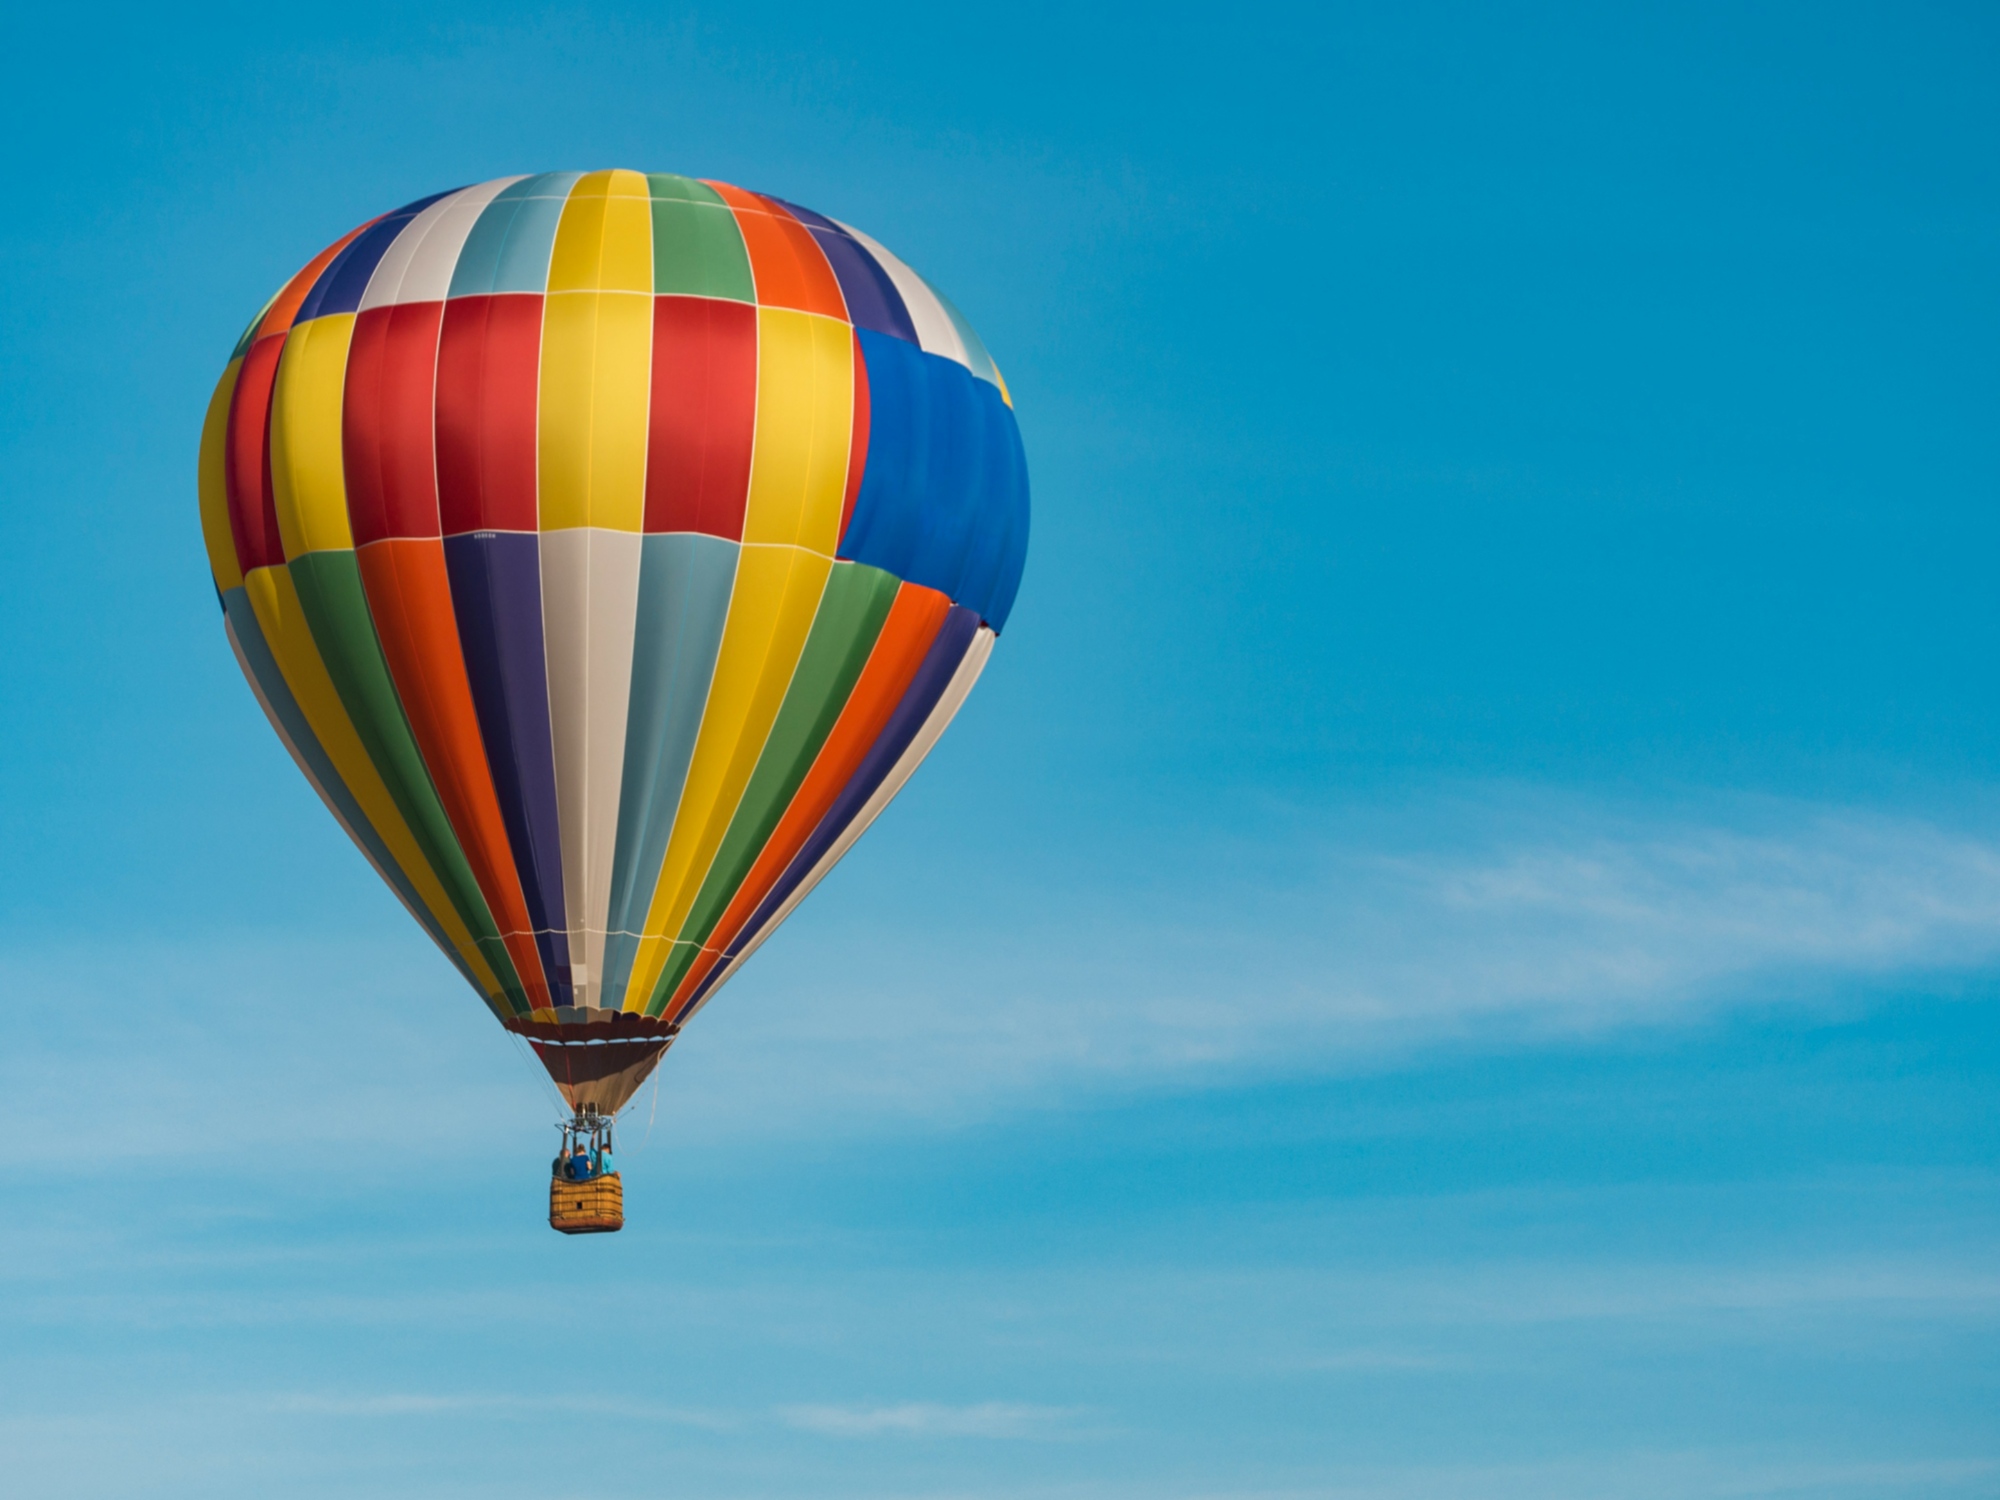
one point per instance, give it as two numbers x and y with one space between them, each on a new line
534 1062
655 1114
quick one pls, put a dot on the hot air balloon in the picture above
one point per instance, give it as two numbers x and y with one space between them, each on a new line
608 549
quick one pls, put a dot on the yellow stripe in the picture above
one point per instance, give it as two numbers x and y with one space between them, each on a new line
215 531
798 479
805 416
597 357
604 241
276 602
308 477
770 614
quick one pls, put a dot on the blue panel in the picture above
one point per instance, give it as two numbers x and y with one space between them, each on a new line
508 249
271 683
496 598
944 490
1013 557
872 299
991 567
685 579
345 278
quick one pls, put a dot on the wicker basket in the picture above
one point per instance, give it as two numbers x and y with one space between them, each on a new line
593 1207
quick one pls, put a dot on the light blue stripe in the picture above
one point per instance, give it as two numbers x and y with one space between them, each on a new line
508 249
685 580
271 683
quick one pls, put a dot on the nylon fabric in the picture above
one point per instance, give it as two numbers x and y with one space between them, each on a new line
943 497
900 650
606 549
496 595
280 617
685 584
842 828
590 598
409 599
212 488
334 604
851 611
288 720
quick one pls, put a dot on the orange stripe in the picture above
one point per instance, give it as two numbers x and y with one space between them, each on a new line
899 650
790 268
282 311
409 596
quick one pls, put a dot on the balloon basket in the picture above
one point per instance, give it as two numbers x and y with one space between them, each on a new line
593 1207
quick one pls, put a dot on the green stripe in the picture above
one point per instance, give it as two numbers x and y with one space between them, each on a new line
336 608
697 249
298 730
676 188
850 617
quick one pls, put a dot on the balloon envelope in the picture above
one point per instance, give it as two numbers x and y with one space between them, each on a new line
608 549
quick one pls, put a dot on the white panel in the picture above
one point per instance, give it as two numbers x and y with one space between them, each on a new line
935 330
590 605
418 263
941 715
977 359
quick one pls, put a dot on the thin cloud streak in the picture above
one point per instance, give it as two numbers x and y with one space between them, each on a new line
1513 918
924 1419
1645 1474
1314 943
407 1404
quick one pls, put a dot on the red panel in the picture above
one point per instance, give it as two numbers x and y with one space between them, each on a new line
386 427
246 458
704 415
899 651
857 447
488 374
246 454
790 268
409 598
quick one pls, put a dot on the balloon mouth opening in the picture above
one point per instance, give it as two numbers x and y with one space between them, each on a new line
567 1023
597 1067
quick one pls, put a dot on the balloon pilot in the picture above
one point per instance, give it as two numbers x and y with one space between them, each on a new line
586 1148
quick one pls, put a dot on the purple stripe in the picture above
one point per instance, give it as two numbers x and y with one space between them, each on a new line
345 278
872 299
948 648
496 595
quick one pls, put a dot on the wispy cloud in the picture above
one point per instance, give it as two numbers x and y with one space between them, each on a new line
1304 940
1318 942
410 1404
1906 1291
924 1419
1650 1474
398 1405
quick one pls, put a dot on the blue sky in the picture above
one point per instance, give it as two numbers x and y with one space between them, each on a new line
1455 951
